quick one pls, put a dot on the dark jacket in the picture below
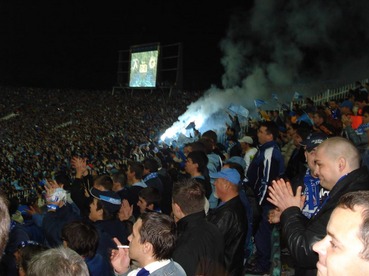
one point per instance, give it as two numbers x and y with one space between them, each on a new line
131 194
301 233
200 246
267 165
53 223
77 192
98 266
109 229
230 218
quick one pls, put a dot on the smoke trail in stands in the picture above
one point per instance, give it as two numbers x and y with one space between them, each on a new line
278 46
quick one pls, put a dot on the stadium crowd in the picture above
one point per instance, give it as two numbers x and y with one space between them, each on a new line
84 168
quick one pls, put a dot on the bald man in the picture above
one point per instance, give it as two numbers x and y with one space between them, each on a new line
337 164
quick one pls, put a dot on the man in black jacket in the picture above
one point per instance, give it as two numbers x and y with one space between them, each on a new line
338 166
200 246
230 218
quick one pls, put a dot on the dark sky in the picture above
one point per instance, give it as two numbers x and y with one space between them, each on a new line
76 43
249 44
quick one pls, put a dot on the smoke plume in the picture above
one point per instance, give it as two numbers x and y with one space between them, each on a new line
279 45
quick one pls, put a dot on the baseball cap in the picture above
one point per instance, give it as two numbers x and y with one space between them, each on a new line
347 103
238 160
313 140
110 200
228 174
246 139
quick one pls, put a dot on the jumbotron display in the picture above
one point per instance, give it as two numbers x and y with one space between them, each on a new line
144 66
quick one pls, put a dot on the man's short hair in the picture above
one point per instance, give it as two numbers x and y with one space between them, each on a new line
120 177
337 146
210 134
361 199
5 223
271 128
159 230
27 250
200 158
58 261
137 168
197 146
208 144
321 114
151 164
81 237
104 181
64 179
151 195
189 195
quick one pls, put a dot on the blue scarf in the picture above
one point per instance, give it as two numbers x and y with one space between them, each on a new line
312 190
151 176
362 128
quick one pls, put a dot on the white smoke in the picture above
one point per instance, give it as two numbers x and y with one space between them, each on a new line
278 44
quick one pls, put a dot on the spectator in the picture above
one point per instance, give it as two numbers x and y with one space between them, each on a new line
151 246
150 174
196 167
83 238
359 136
321 124
119 182
337 164
199 247
103 214
230 218
58 214
149 200
58 261
266 166
135 185
248 150
27 250
5 223
344 250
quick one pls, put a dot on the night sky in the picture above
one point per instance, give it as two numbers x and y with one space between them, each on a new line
75 43
254 45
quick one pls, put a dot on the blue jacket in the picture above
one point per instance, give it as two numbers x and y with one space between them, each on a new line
53 223
266 166
98 266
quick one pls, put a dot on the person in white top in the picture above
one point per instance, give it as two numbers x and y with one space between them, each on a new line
248 151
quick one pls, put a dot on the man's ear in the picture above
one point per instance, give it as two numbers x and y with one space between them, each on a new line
176 207
150 206
341 164
147 248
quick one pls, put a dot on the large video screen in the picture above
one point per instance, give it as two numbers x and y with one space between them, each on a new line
143 66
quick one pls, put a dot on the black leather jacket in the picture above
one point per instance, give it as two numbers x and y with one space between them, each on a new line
300 233
230 218
199 247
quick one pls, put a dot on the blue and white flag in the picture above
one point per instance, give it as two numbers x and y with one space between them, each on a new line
239 110
297 96
275 97
259 103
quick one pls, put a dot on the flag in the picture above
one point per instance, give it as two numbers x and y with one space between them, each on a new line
191 125
239 110
259 103
275 97
285 107
297 96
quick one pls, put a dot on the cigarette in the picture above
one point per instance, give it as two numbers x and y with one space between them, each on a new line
123 246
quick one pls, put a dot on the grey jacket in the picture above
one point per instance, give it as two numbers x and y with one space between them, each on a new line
171 269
